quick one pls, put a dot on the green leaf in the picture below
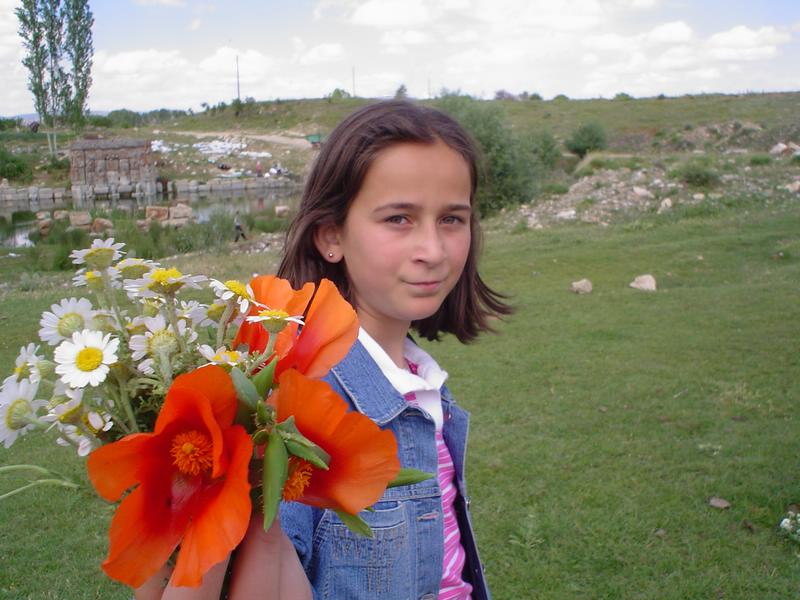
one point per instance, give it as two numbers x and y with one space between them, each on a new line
276 470
408 476
264 378
245 390
355 523
315 455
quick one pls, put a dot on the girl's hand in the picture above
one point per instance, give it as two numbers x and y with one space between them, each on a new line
267 566
154 588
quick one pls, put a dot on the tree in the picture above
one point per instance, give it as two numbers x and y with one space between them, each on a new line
79 50
57 34
402 92
587 138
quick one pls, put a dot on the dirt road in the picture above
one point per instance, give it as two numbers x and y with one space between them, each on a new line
295 142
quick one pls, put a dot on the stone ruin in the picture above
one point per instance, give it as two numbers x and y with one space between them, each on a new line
112 167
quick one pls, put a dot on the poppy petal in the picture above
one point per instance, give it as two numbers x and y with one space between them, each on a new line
330 329
116 467
222 516
210 381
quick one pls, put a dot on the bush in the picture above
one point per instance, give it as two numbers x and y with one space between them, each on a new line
511 165
587 138
760 160
697 173
795 159
10 124
14 168
99 121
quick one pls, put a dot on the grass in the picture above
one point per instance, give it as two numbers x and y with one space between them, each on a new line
601 424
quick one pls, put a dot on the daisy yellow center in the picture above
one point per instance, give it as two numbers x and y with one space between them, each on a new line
274 314
237 287
299 477
163 276
99 257
227 356
215 311
89 359
135 268
69 323
191 453
162 342
22 372
92 276
70 415
17 413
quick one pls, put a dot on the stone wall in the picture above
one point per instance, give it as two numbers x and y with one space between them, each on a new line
116 162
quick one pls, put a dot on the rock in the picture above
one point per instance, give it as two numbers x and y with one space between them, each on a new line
778 149
700 196
180 211
99 225
642 192
281 210
176 223
45 225
646 283
719 503
566 215
4 183
665 205
793 187
156 213
60 215
584 286
80 219
143 224
42 215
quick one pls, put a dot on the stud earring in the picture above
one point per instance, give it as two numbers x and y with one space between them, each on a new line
330 254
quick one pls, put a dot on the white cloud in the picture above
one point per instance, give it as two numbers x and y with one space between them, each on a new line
391 13
322 53
743 43
160 2
675 32
407 37
194 25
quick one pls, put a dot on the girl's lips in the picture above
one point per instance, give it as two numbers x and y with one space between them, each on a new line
426 286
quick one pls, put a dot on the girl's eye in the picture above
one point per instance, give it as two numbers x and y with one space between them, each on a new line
397 219
452 220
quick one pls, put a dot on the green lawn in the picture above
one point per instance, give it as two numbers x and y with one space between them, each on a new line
601 424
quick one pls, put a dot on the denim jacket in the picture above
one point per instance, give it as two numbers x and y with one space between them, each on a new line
403 559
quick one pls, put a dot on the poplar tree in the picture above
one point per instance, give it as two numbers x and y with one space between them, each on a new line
57 35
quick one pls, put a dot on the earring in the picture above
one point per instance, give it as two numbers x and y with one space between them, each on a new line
330 254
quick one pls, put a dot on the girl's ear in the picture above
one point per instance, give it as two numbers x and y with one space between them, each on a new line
326 239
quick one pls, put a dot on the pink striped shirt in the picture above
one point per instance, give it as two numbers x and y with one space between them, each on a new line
453 586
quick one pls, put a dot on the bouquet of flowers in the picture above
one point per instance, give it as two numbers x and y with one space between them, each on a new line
178 404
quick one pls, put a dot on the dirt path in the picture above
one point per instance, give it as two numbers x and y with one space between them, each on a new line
283 140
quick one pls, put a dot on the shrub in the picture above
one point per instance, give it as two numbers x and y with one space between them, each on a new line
795 159
511 164
99 121
587 138
759 160
697 173
14 168
623 96
561 98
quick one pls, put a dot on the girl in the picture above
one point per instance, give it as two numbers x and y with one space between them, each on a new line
388 215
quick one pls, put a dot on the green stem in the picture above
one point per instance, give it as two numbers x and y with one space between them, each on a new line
264 355
172 316
11 468
126 405
61 482
166 368
114 306
223 324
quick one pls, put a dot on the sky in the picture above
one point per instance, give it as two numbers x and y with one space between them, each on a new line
179 54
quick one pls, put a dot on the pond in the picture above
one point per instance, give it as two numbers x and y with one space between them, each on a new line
244 202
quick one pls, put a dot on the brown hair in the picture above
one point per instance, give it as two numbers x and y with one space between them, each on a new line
335 180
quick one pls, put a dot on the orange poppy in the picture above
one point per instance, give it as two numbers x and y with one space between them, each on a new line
191 485
330 325
363 456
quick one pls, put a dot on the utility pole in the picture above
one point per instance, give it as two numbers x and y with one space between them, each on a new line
238 93
354 81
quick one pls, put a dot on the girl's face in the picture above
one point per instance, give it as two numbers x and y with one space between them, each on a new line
406 236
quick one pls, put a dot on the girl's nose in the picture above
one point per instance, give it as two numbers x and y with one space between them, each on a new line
430 245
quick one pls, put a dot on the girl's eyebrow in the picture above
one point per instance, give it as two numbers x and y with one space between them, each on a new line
455 207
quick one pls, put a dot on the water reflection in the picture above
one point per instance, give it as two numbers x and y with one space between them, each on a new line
203 207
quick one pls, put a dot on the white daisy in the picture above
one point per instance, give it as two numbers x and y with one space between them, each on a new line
194 313
159 338
161 282
100 255
94 279
86 359
64 319
66 408
234 291
222 356
274 319
25 364
17 409
85 443
134 268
